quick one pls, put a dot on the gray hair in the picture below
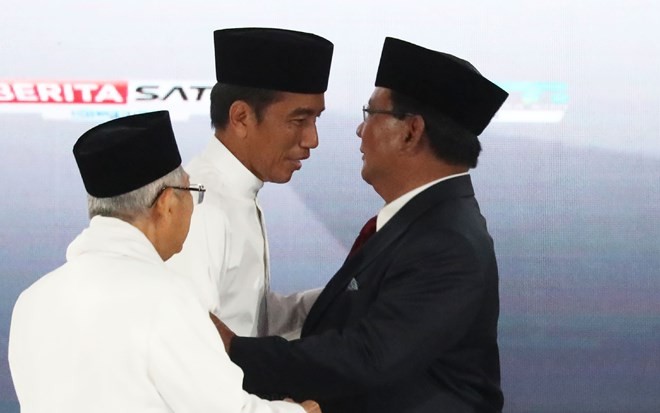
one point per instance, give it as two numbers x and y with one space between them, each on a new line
136 203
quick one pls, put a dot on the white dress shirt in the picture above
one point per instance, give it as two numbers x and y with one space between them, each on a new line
226 252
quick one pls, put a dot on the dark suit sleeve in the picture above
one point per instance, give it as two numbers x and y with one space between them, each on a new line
427 300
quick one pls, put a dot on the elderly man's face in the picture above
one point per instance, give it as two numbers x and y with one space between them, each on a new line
285 136
381 133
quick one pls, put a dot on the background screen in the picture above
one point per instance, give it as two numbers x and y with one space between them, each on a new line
569 179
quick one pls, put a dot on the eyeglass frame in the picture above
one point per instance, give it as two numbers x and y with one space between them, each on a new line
366 112
199 188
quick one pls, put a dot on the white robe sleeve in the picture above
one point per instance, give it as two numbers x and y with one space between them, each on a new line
286 314
205 255
189 367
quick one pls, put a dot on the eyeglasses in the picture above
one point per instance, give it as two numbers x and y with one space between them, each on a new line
193 188
367 111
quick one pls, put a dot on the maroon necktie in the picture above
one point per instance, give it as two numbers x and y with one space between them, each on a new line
367 231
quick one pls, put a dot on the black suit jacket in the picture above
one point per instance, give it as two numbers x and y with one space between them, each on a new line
419 334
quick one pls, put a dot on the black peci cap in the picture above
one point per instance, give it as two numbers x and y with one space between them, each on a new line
444 82
126 153
274 59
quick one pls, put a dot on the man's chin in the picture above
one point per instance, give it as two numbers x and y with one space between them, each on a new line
282 179
365 175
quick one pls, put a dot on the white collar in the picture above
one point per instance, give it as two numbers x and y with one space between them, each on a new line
112 235
393 207
242 180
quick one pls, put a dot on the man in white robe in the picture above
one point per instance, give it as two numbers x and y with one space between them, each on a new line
113 329
264 109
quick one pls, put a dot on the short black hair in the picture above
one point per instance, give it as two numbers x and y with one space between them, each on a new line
450 142
223 95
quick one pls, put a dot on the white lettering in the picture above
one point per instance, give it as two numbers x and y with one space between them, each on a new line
86 90
6 94
108 93
68 92
25 92
49 91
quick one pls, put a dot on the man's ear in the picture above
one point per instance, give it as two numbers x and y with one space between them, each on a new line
416 127
164 206
239 117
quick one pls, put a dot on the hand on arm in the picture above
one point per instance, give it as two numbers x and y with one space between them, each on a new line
425 305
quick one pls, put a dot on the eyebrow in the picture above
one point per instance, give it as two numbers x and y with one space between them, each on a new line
305 112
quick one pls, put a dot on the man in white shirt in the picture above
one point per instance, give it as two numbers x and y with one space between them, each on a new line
113 329
264 109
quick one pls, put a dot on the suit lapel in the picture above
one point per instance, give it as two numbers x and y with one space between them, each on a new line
379 242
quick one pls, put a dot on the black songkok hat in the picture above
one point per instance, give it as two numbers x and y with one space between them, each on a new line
444 82
126 153
273 59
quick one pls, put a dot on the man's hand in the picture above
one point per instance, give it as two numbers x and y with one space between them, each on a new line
311 406
225 333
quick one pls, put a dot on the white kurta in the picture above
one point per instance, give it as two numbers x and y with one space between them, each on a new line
226 252
114 330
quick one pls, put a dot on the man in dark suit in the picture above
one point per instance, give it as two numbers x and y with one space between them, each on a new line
409 322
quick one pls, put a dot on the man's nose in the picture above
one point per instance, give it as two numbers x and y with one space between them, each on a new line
358 131
311 138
